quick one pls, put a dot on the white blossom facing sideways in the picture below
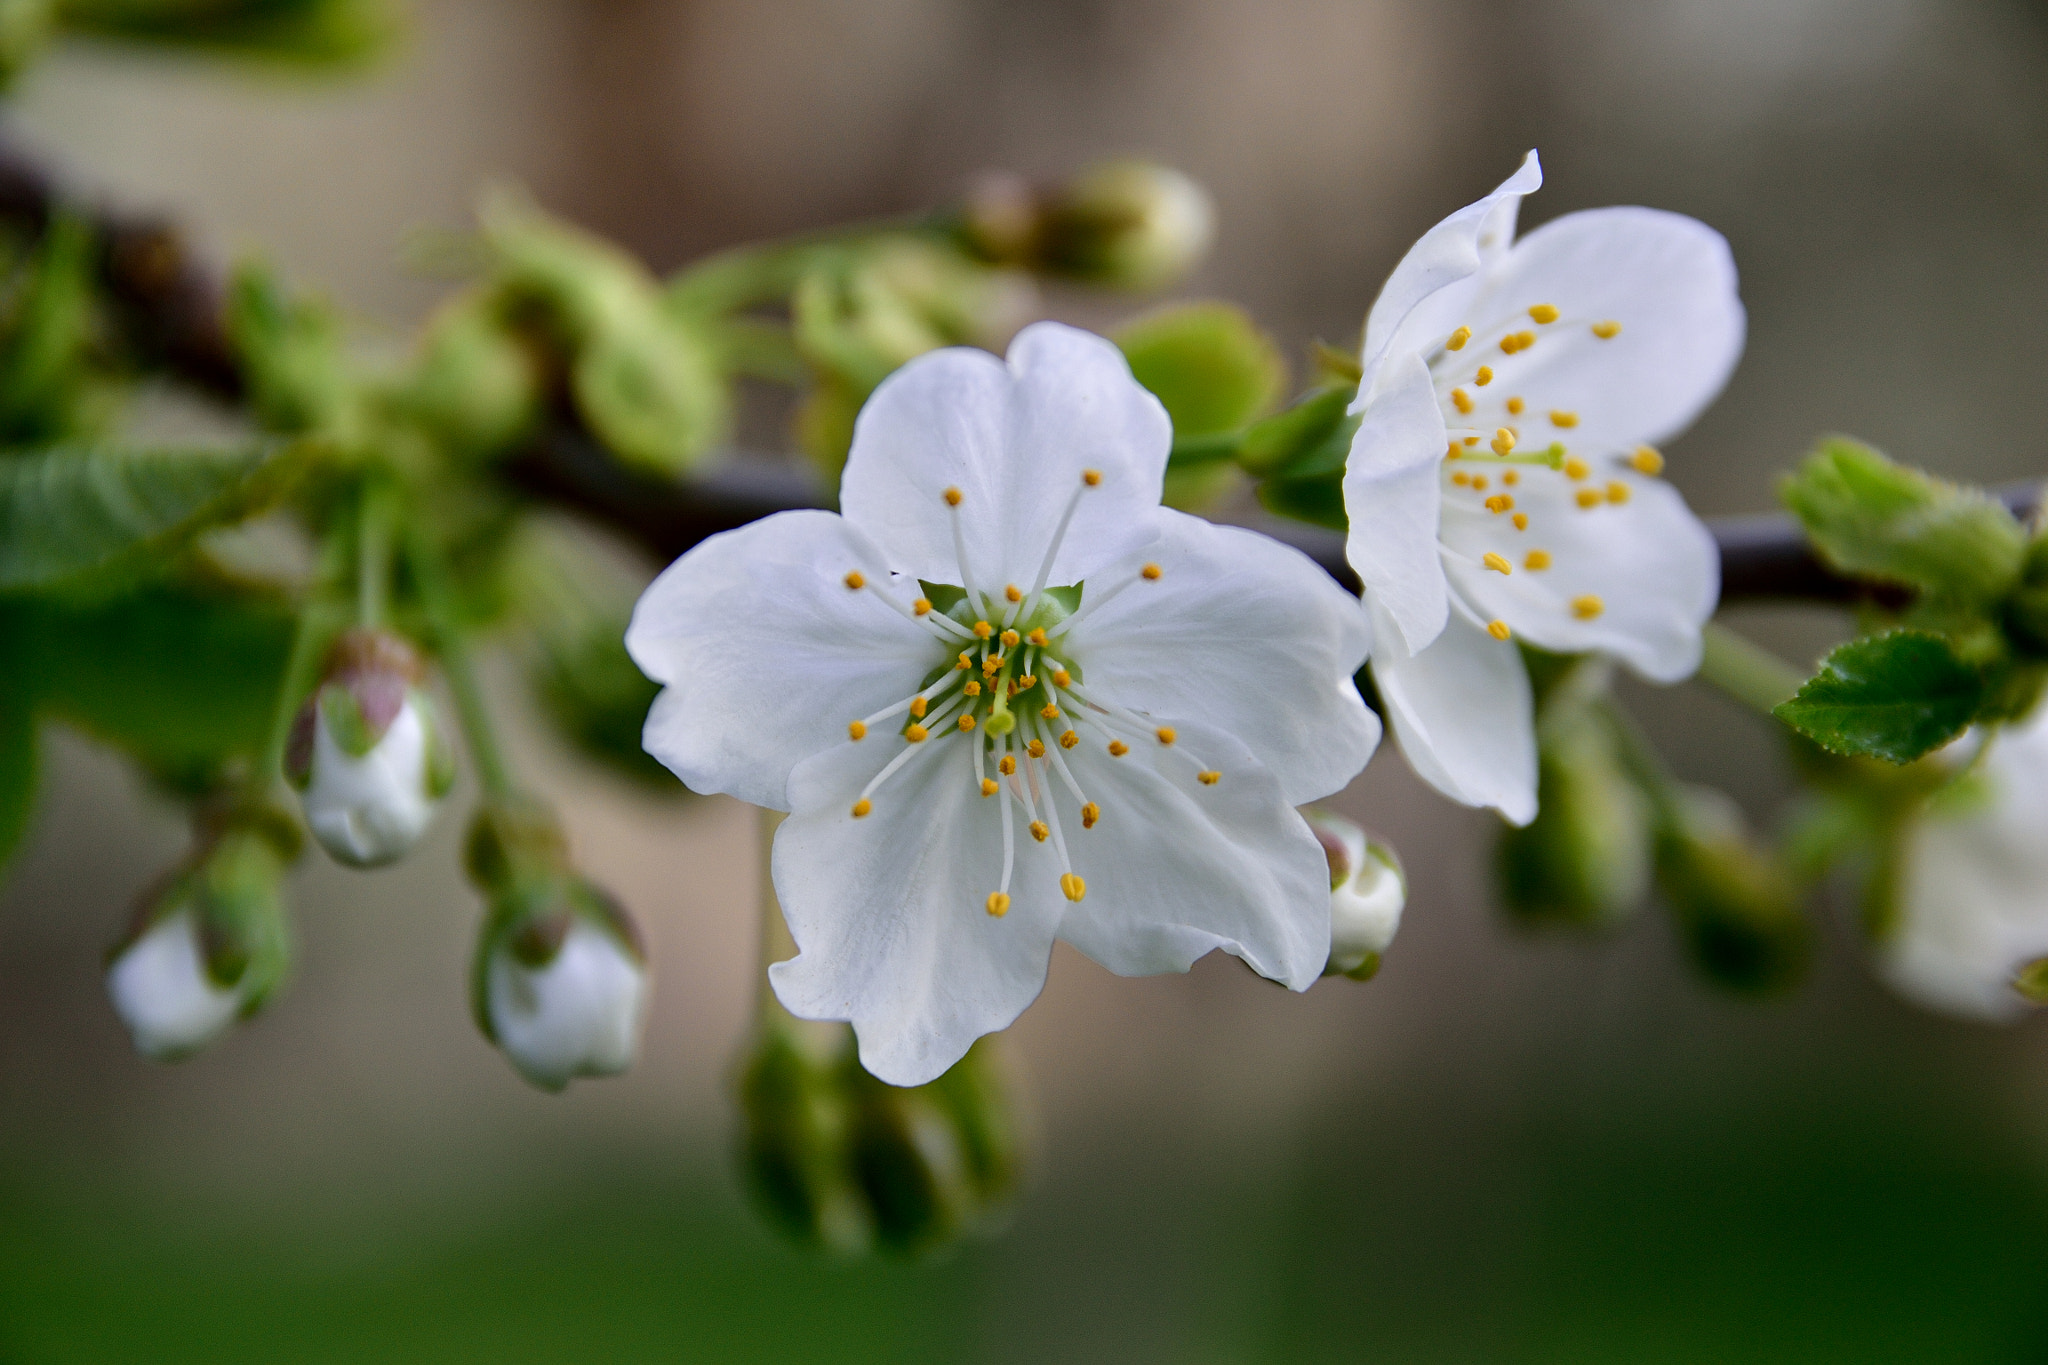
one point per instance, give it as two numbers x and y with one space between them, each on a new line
367 753
1368 891
577 1013
1972 901
1007 697
1503 481
162 990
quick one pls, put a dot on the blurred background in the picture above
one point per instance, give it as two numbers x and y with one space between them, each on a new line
1504 1148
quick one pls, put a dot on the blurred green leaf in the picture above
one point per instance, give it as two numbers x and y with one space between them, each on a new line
1585 859
1869 516
1319 501
1311 438
45 336
1208 363
313 33
1894 696
1736 908
291 352
70 511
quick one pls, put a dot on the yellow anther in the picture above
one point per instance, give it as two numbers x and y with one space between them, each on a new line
982 630
1151 572
1497 563
1090 813
1498 629
1008 765
1167 734
1479 482
1036 748
1037 637
1500 502
856 730
1458 339
952 497
1451 451
1070 739
1471 440
1510 477
1503 441
855 581
862 807
1117 748
1587 607
1524 340
1576 468
1209 779
1461 478
1544 313
998 904
965 660
1461 400
918 706
1509 344
1091 477
1010 639
1589 497
1049 711
1484 377
1563 419
1521 520
1647 460
922 606
1073 887
1038 830
1535 560
971 688
1025 683
1013 593
989 786
992 664
1607 331
1617 492
967 722
916 734
1515 406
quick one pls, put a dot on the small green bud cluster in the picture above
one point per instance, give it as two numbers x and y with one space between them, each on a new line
1736 908
1126 224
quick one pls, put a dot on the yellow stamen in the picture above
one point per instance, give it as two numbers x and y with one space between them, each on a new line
1013 593
918 706
1484 377
1036 748
1117 748
1461 478
1073 886
1500 502
1209 779
965 660
1451 452
998 904
1544 313
1607 331
992 664
1008 766
1049 711
1151 572
1515 406
971 688
1038 830
989 786
952 497
1511 478
855 581
1458 339
1037 637
1010 639
1471 440
1587 607
922 606
1617 492
862 807
1589 497
1497 563
1503 441
1167 734
1461 400
1576 468
916 734
1535 560
1061 678
1091 477
1563 419
1479 483
1521 520
1070 739
967 722
1090 813
1498 629
982 630
1647 460
1524 340
1509 344
856 730
1025 683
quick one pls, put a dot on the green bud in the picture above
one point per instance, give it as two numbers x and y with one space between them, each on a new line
476 384
1584 861
2031 981
1736 908
1215 372
1128 225
291 355
1368 891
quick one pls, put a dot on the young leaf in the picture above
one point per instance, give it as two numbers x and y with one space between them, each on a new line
1895 696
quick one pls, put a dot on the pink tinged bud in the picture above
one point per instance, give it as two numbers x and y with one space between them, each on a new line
578 1013
163 992
1368 891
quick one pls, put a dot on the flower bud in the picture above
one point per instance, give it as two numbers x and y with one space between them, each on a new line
477 385
1735 906
1126 224
367 753
1585 859
1367 893
208 944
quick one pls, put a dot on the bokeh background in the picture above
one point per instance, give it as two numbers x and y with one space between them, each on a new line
1504 1149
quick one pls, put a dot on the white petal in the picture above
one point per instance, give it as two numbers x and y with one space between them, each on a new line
1973 900
1648 562
1392 496
1454 250
371 810
161 990
1244 634
766 654
577 1015
1176 869
1015 440
1667 279
889 911
1463 716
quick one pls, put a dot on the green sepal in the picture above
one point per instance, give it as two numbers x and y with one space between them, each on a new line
237 893
1312 437
441 768
1318 501
1895 696
346 724
1736 910
2031 981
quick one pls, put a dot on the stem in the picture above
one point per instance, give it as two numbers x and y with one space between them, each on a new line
1195 450
373 554
436 598
1747 672
309 635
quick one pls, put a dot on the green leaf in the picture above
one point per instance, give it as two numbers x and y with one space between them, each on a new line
1319 501
70 511
310 33
292 354
1869 516
1312 437
48 329
1208 363
1894 696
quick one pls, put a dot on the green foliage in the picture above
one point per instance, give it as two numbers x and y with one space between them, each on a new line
292 356
309 33
1584 860
1737 911
476 385
47 329
1214 371
1894 696
1871 517
1318 501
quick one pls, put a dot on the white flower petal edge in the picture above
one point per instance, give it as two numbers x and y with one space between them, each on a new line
1552 364
1973 900
371 810
162 991
1009 697
578 1015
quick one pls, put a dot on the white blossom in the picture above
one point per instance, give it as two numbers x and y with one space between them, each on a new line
1503 484
1368 891
1006 698
576 1014
163 992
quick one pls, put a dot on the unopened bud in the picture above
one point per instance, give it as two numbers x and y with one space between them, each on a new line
1127 224
367 753
1735 907
477 384
1585 859
1367 893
